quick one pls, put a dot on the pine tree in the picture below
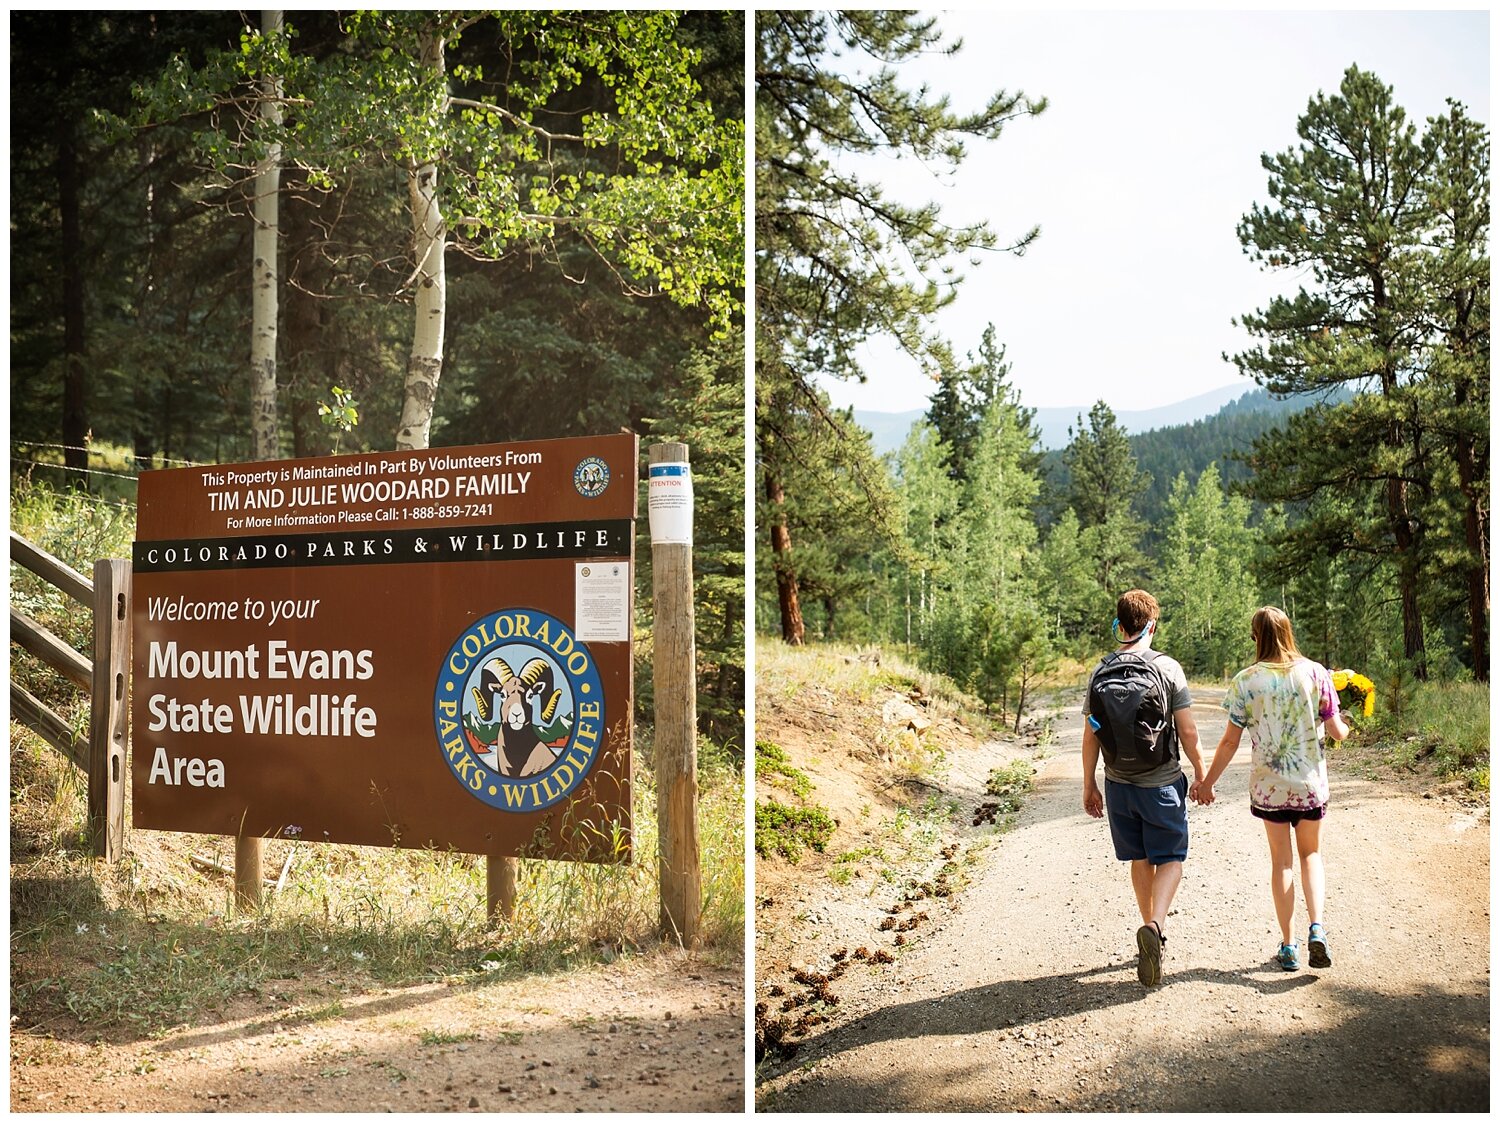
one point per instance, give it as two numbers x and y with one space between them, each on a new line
1204 581
1349 206
1103 486
930 504
837 261
964 396
1458 191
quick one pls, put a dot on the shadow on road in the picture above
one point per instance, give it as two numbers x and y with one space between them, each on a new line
1422 1051
1012 1004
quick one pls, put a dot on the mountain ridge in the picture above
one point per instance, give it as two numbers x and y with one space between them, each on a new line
889 430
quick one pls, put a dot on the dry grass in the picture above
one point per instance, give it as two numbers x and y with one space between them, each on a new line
152 941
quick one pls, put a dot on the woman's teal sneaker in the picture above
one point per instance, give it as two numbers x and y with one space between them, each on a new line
1317 947
1287 957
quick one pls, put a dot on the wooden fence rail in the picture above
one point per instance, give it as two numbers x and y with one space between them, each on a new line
33 713
57 573
100 750
50 650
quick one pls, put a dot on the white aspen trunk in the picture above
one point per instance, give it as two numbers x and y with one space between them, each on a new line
264 304
430 240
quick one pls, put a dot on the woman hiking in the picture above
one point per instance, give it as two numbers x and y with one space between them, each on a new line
1287 702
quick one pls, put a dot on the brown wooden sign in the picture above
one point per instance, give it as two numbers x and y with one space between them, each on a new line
423 648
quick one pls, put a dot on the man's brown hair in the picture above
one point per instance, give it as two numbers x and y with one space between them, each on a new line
1135 610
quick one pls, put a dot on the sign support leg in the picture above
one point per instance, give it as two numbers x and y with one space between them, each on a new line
248 872
500 886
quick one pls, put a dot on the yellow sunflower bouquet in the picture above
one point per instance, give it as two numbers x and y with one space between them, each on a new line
1346 679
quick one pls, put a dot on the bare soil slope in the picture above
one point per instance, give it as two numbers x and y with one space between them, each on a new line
1021 993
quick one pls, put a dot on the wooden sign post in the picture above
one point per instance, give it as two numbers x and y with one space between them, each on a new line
109 723
670 506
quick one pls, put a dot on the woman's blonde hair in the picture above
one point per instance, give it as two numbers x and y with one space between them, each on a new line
1272 630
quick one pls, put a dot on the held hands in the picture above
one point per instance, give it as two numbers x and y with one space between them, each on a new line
1201 792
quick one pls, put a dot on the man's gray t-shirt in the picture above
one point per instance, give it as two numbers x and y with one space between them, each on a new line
1181 698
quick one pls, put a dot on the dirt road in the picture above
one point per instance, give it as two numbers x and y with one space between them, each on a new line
1026 999
665 1033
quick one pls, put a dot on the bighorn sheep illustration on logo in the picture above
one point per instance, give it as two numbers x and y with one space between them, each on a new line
518 710
512 697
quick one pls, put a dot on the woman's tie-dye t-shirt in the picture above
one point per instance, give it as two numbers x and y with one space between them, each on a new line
1283 707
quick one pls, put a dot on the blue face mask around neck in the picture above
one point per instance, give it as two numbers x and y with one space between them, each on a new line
1115 628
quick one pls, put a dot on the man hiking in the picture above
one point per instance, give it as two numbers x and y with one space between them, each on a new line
1138 711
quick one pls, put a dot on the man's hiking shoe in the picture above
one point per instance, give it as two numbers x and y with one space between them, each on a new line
1149 940
1317 947
1287 957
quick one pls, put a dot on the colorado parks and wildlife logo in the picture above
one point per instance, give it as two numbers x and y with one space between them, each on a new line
518 710
591 477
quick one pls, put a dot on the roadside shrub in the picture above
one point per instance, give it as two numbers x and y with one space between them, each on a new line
1010 785
1454 719
774 767
784 830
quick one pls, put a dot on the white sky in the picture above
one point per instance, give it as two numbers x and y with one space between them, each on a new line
1138 173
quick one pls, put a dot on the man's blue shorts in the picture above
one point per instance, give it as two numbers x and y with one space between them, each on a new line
1149 823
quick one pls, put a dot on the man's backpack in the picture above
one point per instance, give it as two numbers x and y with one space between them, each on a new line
1130 711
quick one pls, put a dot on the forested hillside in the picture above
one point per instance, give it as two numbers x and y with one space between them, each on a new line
1352 488
1225 438
489 227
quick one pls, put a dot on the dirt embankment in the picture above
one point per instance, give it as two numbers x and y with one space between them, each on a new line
905 769
1020 992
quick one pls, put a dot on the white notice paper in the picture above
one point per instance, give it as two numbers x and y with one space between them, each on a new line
601 605
669 503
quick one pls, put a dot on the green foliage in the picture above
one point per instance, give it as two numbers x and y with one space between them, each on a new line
122 275
707 413
827 283
1066 588
77 530
787 831
1447 722
166 294
837 260
1389 224
830 489
1010 786
1443 726
445 1037
1205 585
930 499
961 404
1103 486
773 765
513 110
342 416
999 500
